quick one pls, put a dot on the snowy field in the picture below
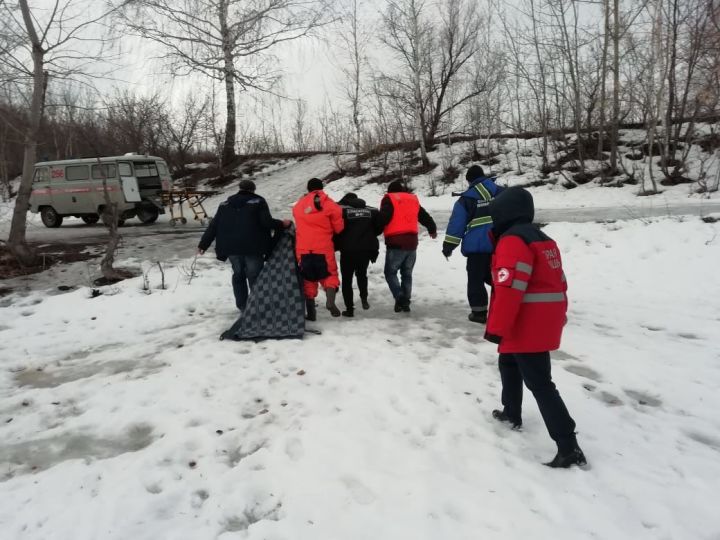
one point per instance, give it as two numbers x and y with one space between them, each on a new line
123 417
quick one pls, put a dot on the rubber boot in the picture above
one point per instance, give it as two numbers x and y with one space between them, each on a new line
311 312
330 303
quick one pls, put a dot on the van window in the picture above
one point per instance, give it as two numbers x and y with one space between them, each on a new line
103 171
42 174
143 170
125 169
162 167
77 172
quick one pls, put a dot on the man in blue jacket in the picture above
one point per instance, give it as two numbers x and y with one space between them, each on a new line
243 232
470 225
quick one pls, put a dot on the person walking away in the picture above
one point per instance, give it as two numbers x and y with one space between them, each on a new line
242 231
317 219
527 314
358 245
469 226
400 212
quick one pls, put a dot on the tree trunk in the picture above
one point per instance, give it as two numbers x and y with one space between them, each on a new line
669 146
616 87
228 153
18 228
603 79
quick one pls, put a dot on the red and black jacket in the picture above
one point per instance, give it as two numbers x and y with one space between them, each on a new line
529 302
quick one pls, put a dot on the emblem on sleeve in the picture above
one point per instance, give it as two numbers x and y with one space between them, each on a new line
503 275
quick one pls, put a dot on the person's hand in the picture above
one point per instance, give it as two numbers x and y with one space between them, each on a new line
446 252
201 251
433 235
492 338
286 223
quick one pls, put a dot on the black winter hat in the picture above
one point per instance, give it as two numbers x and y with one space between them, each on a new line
314 184
396 186
474 172
247 185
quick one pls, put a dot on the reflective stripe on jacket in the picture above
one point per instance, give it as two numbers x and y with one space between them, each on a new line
317 218
406 208
529 302
470 221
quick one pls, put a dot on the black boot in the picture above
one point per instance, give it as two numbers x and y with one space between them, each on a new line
399 304
364 301
565 460
330 303
311 312
406 305
478 317
501 416
350 312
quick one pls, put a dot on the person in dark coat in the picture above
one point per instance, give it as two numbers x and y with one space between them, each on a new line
242 230
527 314
358 245
400 213
470 225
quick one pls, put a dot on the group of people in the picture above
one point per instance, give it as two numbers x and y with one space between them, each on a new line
526 311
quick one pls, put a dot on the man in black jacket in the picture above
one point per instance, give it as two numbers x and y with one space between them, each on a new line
358 245
242 230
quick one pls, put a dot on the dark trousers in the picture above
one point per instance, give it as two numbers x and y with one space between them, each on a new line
246 269
478 274
354 263
534 370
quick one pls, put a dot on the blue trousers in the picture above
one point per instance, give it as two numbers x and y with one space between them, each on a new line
246 269
402 261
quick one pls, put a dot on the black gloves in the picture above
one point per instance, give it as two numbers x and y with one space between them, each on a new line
492 338
447 249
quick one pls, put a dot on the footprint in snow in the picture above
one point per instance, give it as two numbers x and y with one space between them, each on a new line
703 438
294 449
360 493
583 371
609 399
643 399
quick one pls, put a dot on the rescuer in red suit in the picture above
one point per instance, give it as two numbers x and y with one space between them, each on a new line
527 314
317 219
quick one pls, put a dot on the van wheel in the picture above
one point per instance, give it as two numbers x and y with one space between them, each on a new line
50 217
147 214
91 219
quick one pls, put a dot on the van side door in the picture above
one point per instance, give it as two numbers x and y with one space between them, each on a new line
128 182
41 189
76 198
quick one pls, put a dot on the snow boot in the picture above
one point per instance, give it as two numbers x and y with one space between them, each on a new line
398 304
478 317
501 416
330 303
364 301
406 305
567 459
311 312
350 312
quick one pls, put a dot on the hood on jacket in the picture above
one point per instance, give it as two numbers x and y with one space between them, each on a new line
352 200
241 198
513 206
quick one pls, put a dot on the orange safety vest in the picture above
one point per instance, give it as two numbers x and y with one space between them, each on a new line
406 208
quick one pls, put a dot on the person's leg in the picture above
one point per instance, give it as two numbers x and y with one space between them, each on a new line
362 261
331 284
476 275
512 389
393 260
535 370
238 281
406 271
253 266
347 269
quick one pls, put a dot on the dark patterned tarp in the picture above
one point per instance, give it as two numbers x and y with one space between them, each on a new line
276 306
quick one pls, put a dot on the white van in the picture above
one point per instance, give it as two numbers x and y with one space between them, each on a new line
74 187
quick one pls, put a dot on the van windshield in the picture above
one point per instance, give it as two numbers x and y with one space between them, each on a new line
145 169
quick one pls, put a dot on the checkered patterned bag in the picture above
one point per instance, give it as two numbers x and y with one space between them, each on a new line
276 306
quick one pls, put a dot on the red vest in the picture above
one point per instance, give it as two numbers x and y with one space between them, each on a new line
406 208
529 301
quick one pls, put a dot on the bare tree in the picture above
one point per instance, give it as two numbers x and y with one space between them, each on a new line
50 48
183 128
227 40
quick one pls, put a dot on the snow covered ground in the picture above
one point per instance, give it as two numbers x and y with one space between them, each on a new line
123 417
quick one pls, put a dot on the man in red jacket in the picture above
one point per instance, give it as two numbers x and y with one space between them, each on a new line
317 219
526 319
400 212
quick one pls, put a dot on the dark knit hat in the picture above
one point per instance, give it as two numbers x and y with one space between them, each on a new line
396 186
314 184
474 172
247 185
